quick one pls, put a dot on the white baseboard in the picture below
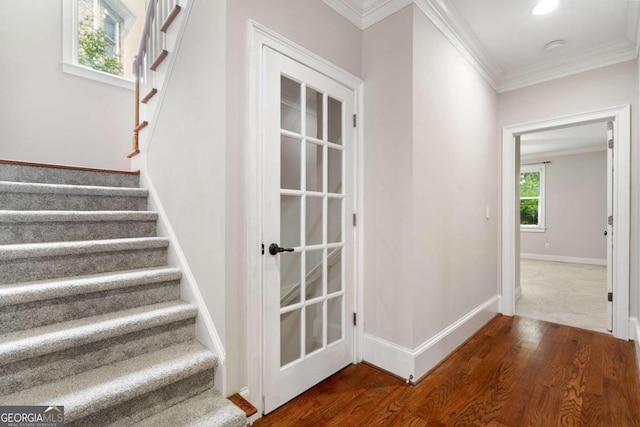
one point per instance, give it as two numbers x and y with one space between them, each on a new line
414 363
558 258
391 357
244 392
206 331
634 334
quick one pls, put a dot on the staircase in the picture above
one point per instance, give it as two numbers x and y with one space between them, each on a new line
90 314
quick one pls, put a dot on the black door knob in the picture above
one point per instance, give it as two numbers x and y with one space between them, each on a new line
605 232
274 249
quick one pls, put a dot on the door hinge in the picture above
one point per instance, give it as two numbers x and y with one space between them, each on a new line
611 143
263 249
355 120
355 220
355 319
610 297
610 220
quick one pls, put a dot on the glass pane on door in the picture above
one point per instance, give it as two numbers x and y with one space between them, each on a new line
290 326
314 221
311 220
314 277
334 124
290 220
335 171
315 166
290 280
314 327
334 319
290 111
334 270
290 154
314 120
334 220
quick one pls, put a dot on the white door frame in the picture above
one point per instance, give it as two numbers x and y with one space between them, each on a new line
621 118
260 37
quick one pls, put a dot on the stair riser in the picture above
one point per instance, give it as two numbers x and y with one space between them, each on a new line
41 232
18 173
28 269
70 202
148 404
39 313
54 366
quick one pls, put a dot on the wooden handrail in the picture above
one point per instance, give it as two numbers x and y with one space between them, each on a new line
152 50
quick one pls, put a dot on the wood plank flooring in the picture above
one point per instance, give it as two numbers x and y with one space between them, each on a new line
514 372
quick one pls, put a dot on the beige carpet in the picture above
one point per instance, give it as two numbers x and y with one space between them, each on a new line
566 293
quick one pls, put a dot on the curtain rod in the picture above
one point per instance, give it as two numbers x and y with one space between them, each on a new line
537 163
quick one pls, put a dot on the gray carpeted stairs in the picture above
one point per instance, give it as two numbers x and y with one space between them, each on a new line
90 314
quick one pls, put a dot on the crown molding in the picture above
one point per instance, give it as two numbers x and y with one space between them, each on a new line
598 57
350 9
445 21
567 152
633 24
364 13
376 10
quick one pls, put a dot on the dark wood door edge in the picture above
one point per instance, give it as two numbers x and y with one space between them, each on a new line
75 168
243 404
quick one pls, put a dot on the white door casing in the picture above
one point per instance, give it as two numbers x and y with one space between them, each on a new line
609 225
620 117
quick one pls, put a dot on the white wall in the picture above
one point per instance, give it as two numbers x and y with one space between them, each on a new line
318 28
575 207
455 170
49 116
186 157
431 164
388 178
602 88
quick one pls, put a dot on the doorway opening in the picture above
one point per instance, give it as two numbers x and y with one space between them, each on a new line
565 186
618 221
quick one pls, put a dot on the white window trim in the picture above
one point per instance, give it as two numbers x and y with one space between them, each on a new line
70 46
541 227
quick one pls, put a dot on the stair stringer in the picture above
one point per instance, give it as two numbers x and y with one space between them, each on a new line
206 331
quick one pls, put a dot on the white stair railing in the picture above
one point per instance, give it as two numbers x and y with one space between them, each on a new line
153 50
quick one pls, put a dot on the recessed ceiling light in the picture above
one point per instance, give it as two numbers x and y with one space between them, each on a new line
545 6
554 45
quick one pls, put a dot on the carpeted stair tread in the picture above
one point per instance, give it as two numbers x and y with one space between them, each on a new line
36 250
56 174
16 216
34 342
98 389
83 190
207 409
24 292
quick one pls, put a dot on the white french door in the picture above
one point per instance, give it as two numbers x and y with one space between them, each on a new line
308 194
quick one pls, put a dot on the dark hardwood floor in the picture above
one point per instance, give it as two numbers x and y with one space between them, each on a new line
514 372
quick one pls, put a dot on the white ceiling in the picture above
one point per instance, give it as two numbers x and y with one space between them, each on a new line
570 140
504 40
